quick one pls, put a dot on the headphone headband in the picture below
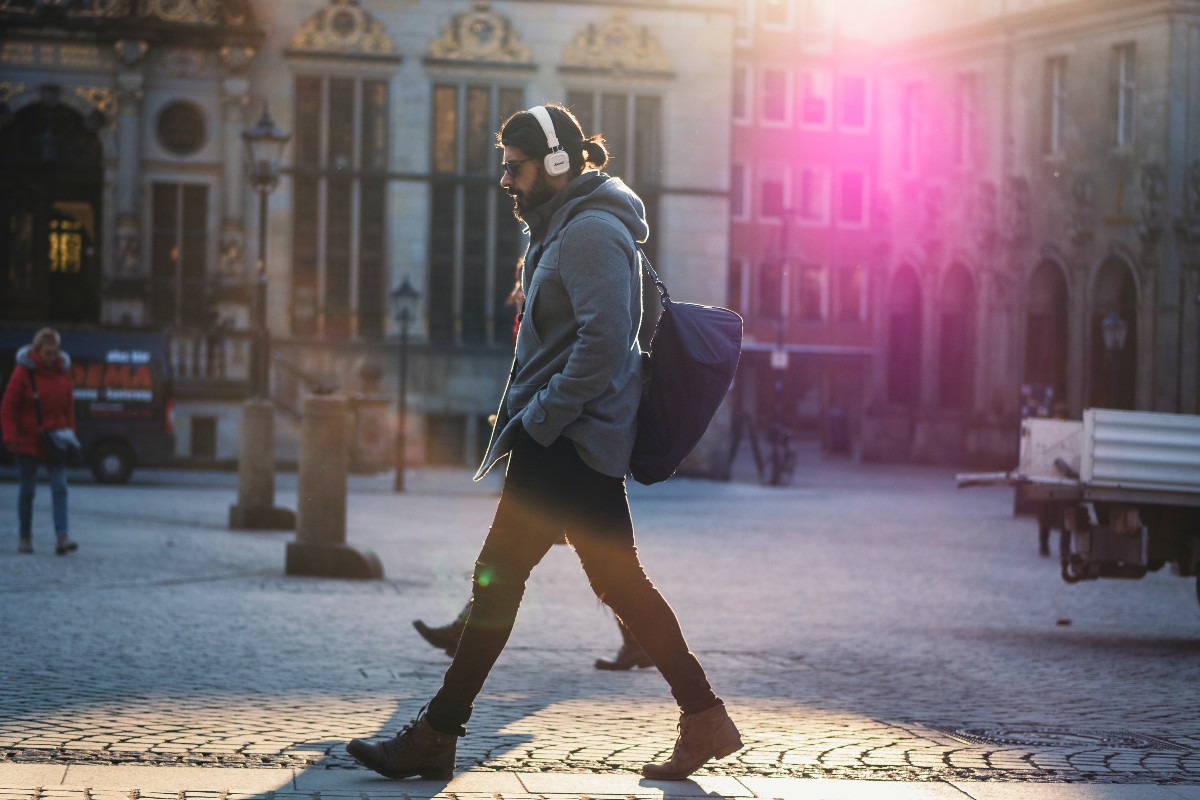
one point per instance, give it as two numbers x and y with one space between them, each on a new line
543 117
557 161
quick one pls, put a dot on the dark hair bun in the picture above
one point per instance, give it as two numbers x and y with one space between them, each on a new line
595 152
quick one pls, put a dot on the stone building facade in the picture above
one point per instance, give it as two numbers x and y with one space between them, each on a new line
121 127
1041 180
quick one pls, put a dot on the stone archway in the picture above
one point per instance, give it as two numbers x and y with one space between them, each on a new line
1113 375
956 341
51 181
1047 331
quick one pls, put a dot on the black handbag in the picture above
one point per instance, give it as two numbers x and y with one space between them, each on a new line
692 360
61 445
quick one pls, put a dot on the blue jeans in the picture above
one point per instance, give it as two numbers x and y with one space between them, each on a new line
27 470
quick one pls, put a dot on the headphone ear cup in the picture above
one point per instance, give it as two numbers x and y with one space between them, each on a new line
557 163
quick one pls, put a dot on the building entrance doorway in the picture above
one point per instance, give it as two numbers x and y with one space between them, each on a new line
51 176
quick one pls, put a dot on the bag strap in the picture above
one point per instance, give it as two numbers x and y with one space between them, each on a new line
37 403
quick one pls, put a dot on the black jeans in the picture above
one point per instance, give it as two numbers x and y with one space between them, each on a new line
549 491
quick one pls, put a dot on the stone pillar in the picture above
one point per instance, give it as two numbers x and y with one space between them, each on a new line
128 262
320 548
256 509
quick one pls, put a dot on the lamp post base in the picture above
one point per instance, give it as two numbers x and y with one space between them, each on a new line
332 561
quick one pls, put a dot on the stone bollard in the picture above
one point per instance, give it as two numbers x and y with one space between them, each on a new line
256 509
320 547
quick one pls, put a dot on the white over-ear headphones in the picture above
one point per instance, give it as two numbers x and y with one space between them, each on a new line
557 161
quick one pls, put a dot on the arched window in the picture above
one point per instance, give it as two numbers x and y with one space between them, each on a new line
51 181
904 338
956 343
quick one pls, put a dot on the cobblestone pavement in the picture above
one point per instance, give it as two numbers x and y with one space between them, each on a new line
866 622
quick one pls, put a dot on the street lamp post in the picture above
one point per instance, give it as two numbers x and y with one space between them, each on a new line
1114 331
255 508
264 154
404 304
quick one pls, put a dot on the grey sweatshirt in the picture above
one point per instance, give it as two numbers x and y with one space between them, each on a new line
577 370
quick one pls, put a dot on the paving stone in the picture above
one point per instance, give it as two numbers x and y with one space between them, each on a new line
1035 791
868 622
825 789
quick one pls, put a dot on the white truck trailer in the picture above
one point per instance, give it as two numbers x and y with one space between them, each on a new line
1123 486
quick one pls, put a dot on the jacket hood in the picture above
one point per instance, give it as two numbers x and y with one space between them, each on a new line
591 190
28 358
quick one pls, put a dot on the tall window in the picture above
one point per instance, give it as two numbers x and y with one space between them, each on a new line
768 296
178 252
812 195
815 98
1055 105
339 208
632 125
810 293
743 93
775 105
966 114
474 242
852 199
913 122
853 106
851 296
772 191
1125 88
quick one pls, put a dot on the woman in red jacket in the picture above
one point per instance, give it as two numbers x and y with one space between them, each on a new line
43 363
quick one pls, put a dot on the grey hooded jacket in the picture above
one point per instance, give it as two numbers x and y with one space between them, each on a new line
577 370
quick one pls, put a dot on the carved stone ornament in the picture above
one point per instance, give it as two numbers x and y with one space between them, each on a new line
1019 223
1083 209
1188 225
100 98
191 11
236 58
618 44
1152 211
479 34
130 52
184 62
78 8
231 262
985 216
342 27
10 90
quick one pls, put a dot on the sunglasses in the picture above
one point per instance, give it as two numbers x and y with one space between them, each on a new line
512 166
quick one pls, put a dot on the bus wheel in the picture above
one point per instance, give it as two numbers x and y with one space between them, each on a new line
112 463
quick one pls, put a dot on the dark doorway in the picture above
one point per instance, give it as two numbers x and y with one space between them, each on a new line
50 182
1046 331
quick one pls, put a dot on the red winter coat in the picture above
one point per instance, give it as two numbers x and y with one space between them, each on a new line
18 420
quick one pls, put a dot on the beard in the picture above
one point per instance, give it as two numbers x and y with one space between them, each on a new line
524 202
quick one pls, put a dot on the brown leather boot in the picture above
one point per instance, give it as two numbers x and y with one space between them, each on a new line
416 750
708 734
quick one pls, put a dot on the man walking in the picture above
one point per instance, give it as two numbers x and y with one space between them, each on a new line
567 420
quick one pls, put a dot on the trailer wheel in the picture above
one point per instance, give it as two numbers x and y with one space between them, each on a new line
112 463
